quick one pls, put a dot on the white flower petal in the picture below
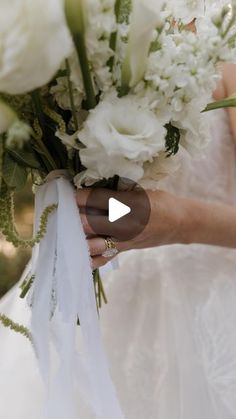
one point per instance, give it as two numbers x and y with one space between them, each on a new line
34 42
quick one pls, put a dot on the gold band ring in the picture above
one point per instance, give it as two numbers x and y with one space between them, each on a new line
111 249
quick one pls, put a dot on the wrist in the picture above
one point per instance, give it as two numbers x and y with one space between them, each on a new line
193 221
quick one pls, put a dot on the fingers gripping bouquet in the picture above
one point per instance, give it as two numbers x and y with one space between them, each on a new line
108 89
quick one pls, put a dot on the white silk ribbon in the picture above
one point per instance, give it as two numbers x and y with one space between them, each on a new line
62 292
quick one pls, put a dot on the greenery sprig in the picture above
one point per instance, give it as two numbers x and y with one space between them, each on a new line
7 221
18 328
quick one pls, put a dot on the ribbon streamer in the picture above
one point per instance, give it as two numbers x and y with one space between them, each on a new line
61 293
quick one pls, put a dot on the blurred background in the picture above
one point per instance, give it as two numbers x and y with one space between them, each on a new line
13 261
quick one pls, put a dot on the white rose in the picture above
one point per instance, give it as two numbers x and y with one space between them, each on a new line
120 135
7 117
34 42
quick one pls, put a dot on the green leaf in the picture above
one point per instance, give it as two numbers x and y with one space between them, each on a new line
229 102
25 158
14 175
172 139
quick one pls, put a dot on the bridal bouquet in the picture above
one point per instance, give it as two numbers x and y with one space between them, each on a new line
91 91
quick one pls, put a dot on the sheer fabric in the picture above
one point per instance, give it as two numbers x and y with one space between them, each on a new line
170 326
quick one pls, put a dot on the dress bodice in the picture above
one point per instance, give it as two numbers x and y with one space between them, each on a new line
211 177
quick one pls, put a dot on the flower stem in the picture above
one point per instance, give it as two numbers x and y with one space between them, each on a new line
50 163
113 39
1 159
75 11
72 102
84 64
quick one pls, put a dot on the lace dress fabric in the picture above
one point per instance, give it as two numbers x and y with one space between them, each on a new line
170 326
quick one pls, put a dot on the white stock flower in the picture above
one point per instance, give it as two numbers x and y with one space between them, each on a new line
34 40
120 135
187 10
7 117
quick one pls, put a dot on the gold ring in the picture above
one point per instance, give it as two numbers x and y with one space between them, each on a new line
111 249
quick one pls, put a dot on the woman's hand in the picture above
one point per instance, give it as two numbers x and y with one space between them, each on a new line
165 226
172 220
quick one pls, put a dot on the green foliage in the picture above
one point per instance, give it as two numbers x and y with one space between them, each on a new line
172 140
14 175
13 261
7 222
123 10
8 323
25 157
229 102
26 285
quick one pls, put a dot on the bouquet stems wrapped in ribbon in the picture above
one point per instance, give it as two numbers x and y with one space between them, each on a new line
91 91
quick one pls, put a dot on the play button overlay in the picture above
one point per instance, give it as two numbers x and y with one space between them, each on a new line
117 210
123 215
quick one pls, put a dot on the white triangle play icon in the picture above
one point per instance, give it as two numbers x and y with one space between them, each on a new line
117 210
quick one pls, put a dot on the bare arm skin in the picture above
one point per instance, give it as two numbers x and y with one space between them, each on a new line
227 87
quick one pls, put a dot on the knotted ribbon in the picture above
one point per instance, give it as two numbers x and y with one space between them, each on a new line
63 292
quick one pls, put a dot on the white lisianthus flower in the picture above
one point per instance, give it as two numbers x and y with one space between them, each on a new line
195 128
34 42
7 117
120 135
145 18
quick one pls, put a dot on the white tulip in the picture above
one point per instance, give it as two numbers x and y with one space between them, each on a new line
34 40
145 17
7 117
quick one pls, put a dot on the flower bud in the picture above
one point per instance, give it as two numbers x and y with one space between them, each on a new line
7 117
74 11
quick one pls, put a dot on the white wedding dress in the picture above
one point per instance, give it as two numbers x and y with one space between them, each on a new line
170 326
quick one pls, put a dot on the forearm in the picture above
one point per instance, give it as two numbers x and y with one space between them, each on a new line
212 224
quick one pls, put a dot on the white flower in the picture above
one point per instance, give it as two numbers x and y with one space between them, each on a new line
34 42
145 18
158 169
194 126
120 135
187 10
70 141
60 91
18 134
7 117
